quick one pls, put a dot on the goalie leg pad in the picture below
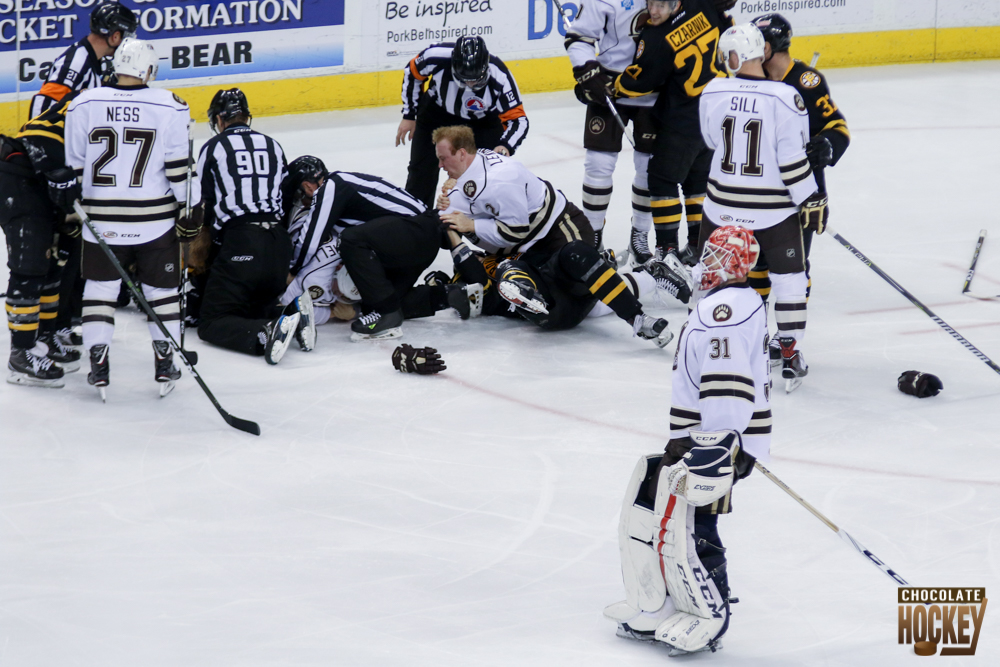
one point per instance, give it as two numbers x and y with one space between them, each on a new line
644 586
702 614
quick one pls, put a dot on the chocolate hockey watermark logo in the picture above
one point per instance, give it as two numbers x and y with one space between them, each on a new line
929 617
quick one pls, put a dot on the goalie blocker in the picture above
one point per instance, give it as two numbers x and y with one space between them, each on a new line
676 589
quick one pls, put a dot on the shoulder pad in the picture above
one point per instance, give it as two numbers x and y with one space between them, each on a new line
728 306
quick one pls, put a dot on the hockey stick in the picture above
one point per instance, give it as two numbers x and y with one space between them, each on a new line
607 98
184 248
843 534
916 302
815 59
237 423
972 271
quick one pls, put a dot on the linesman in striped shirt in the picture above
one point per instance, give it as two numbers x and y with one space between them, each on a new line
79 66
467 86
128 144
242 171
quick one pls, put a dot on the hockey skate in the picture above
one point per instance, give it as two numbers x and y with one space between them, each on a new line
688 256
65 357
376 326
638 248
651 328
674 281
166 373
522 296
277 336
305 333
793 365
466 299
100 370
32 369
774 351
69 338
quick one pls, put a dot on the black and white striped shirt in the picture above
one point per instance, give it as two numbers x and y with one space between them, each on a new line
241 173
500 97
346 199
78 68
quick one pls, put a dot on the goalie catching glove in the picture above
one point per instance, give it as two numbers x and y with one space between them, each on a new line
814 212
594 84
419 360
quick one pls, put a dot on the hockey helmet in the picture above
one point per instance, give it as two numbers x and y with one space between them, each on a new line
226 105
111 17
136 57
745 39
729 254
305 168
777 31
470 62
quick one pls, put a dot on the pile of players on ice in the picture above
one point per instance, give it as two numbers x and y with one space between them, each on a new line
268 249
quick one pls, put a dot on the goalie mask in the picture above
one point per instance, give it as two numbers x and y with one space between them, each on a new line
729 254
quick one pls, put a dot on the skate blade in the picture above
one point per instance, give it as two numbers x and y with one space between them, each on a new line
512 295
69 366
664 338
791 384
28 381
395 332
103 391
166 387
675 652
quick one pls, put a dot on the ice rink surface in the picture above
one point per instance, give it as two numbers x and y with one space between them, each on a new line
470 518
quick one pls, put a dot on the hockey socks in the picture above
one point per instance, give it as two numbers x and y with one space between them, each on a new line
23 310
667 214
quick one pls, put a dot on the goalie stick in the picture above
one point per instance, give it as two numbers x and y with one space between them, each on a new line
237 423
843 534
916 302
972 271
607 98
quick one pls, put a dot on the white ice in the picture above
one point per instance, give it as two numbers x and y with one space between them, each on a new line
470 518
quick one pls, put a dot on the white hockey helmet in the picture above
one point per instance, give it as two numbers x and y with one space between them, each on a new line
136 57
746 40
346 286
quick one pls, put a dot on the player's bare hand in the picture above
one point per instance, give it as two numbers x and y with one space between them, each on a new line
405 131
443 201
502 150
458 221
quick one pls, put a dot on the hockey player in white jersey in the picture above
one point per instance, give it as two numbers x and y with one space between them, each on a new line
600 43
128 144
558 275
761 178
673 562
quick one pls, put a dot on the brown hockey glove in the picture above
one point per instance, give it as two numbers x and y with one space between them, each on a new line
419 360
594 83
814 212
921 385
189 226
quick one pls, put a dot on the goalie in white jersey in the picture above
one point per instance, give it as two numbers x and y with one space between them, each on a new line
761 178
128 144
600 43
673 561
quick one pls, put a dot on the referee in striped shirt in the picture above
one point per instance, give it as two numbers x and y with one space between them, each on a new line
241 172
79 66
468 86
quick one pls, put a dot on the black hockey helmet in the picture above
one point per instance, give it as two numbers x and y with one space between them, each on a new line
226 105
302 169
777 31
470 62
111 17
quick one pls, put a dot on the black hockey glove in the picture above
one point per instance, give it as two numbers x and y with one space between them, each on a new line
189 226
920 384
419 360
814 212
64 189
594 83
819 150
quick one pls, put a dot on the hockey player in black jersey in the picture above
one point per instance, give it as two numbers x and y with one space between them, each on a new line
39 189
828 130
675 57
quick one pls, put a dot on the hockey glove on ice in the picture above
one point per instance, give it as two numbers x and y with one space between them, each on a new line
420 360
819 150
188 226
920 384
814 212
64 189
594 83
